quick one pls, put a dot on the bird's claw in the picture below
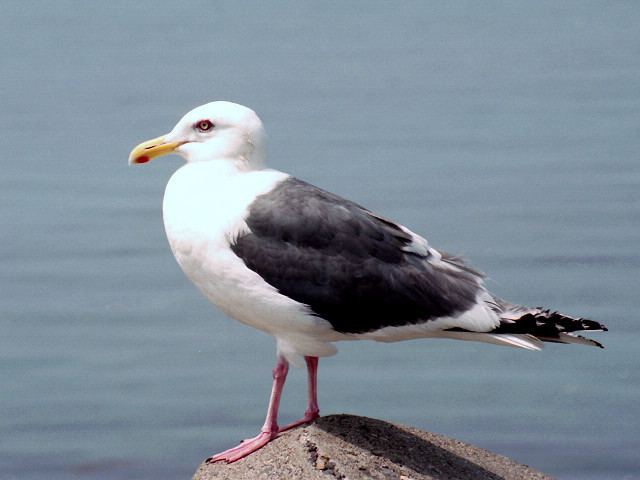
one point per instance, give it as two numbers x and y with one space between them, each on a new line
246 447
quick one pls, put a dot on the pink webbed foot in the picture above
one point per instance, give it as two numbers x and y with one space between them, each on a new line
309 416
245 448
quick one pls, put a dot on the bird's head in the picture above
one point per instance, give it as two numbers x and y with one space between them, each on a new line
210 132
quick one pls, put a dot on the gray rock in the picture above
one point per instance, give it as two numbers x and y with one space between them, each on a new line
347 447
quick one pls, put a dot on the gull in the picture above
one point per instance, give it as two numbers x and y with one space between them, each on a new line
311 268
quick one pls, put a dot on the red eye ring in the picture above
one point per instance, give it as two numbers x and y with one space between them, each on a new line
204 125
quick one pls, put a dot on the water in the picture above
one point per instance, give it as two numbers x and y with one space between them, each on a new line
507 133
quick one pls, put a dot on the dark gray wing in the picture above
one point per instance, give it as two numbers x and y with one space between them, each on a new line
352 268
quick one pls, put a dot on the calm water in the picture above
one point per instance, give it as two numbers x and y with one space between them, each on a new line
508 134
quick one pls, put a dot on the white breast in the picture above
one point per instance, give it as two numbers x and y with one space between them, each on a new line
204 209
206 202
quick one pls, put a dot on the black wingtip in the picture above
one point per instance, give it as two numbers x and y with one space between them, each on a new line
592 325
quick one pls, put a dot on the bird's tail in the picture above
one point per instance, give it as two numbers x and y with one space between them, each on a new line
543 324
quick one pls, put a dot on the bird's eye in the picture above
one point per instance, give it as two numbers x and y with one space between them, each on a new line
204 125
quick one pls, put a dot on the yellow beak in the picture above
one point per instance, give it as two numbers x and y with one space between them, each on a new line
150 149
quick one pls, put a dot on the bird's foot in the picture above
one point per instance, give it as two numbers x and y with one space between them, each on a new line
309 416
250 445
245 448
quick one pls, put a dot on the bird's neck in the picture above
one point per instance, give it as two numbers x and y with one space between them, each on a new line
228 166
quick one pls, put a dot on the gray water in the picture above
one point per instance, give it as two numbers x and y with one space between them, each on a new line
509 133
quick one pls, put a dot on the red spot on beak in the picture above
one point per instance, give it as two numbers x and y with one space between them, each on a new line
142 159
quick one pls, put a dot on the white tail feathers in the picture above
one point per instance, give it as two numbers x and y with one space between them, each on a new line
527 342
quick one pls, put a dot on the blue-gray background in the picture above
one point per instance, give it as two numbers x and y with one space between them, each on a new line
509 133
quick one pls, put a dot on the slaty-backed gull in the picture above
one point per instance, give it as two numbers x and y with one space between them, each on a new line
311 268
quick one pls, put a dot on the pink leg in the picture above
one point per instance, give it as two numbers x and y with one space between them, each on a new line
270 428
312 412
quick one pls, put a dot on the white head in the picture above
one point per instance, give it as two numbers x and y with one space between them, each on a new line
216 131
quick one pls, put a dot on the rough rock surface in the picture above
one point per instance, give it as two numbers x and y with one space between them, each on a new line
352 448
